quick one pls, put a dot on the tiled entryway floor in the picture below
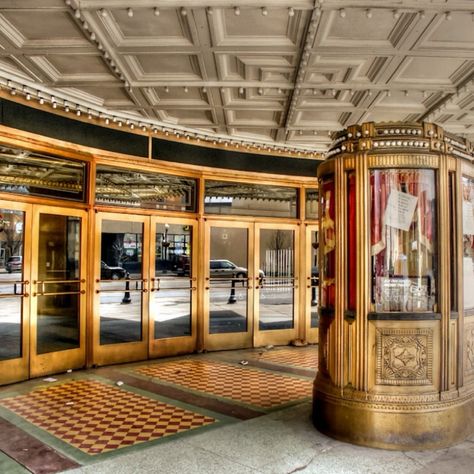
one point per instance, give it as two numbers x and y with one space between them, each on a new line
92 415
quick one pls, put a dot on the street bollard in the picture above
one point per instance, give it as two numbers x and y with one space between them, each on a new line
126 297
232 299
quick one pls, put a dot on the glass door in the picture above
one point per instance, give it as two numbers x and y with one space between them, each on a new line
58 290
312 283
15 254
276 301
173 287
121 324
228 311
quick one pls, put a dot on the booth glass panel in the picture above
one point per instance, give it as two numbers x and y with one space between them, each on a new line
403 240
468 240
328 242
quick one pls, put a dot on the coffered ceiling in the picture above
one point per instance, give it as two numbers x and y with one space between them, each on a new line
269 71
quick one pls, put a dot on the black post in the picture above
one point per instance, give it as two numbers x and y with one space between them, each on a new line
232 299
126 297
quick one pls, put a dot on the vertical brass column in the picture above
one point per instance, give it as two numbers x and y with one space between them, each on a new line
396 352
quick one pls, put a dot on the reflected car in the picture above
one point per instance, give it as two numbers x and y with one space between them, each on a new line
228 269
111 273
14 264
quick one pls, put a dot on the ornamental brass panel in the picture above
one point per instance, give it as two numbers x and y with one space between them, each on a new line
404 356
469 349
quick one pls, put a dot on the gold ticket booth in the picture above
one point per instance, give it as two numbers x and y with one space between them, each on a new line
396 364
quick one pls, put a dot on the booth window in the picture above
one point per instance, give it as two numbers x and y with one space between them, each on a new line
35 174
403 240
328 242
133 188
468 240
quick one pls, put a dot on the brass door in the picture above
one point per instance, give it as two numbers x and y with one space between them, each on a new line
229 282
276 270
120 314
312 284
173 286
15 255
58 290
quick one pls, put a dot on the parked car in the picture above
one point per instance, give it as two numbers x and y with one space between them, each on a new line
227 269
111 273
14 264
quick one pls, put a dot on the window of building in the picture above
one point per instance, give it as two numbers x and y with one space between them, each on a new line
312 203
35 174
248 199
133 188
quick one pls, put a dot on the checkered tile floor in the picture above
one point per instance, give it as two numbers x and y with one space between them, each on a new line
296 357
244 384
96 417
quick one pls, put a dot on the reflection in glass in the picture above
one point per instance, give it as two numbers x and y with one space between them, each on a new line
246 199
312 204
228 280
26 172
314 279
403 240
276 295
11 275
58 285
130 188
171 299
121 285
468 240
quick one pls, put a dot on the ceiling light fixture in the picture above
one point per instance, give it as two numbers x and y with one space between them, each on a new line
184 12
186 90
103 12
368 13
396 14
260 91
130 12
342 13
167 89
156 11
209 10
448 16
291 11
264 11
236 11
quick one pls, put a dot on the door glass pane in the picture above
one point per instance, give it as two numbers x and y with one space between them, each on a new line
171 299
277 285
121 282
11 275
228 280
58 285
314 279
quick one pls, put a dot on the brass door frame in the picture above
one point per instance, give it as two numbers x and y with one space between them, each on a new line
277 336
235 340
182 344
53 362
312 334
127 351
14 370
